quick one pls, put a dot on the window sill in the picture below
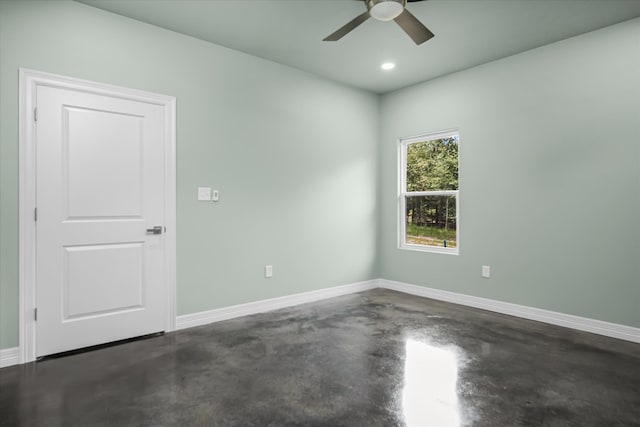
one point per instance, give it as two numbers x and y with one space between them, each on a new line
433 249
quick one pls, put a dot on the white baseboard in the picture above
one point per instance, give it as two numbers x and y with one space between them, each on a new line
613 330
225 313
9 357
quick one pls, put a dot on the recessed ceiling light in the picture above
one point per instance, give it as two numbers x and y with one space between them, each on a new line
388 66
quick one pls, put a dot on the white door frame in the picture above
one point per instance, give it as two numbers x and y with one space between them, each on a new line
29 81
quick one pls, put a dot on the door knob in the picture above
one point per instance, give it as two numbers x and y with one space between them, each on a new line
155 230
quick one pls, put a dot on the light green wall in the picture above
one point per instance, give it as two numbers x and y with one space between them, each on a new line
549 180
550 165
294 156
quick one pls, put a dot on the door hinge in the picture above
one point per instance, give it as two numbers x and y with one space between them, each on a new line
35 114
35 314
35 214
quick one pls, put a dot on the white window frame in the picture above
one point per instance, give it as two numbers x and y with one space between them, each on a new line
403 194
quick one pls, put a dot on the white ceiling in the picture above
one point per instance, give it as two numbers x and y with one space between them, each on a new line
290 32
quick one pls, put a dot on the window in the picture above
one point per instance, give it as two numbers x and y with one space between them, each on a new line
429 208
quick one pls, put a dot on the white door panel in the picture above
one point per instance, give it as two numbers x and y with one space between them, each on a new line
100 185
93 287
92 187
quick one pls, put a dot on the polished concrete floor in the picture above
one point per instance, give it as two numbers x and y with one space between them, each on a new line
377 358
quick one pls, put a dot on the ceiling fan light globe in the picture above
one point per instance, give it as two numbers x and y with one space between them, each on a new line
386 10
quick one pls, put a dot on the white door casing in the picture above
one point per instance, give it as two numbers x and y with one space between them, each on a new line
99 165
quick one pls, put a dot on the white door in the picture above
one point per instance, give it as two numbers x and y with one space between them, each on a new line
100 187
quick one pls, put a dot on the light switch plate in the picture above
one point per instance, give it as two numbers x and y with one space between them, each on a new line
486 271
215 195
204 194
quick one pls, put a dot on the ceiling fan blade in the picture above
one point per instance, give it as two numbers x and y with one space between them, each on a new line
347 28
414 28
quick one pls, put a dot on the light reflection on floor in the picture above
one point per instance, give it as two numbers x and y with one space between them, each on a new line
429 395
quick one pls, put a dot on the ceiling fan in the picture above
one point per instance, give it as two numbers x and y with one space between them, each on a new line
386 10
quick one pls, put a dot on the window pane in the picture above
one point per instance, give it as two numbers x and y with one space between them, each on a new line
431 221
433 165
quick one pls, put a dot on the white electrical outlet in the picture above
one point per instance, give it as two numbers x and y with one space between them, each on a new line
268 271
204 194
486 271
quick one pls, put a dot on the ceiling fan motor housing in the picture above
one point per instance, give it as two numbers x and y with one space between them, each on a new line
385 10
